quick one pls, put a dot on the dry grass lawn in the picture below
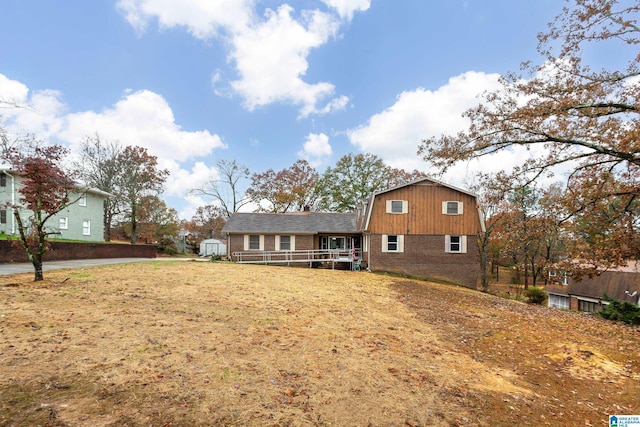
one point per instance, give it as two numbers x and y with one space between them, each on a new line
178 343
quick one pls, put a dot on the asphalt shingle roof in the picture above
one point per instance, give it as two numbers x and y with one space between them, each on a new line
294 223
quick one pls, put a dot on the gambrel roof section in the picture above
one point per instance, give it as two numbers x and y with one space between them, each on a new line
368 204
291 223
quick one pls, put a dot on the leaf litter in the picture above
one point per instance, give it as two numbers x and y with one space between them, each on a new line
175 343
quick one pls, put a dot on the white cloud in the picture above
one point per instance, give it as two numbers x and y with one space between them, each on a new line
395 133
346 8
316 149
202 18
269 53
12 91
145 119
271 59
141 118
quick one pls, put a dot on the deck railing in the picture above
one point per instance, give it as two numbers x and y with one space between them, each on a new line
302 256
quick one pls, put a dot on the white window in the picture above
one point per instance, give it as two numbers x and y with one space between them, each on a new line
253 242
559 301
452 208
3 216
455 244
397 206
392 243
286 243
86 227
82 201
64 223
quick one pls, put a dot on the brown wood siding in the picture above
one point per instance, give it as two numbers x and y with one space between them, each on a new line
425 212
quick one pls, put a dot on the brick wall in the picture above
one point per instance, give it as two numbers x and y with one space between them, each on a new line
235 243
424 256
10 251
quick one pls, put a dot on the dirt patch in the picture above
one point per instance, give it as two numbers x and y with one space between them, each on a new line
183 344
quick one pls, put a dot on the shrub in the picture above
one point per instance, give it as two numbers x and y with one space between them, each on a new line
622 311
536 295
167 246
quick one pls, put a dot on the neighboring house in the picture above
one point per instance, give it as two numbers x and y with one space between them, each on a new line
82 220
588 294
424 228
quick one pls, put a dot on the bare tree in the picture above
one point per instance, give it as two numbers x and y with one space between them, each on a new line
100 168
226 189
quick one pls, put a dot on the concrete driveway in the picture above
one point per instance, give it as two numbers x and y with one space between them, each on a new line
13 268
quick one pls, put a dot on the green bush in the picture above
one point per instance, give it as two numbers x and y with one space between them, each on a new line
535 295
622 311
167 246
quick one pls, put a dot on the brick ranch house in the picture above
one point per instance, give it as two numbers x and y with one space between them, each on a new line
588 294
424 228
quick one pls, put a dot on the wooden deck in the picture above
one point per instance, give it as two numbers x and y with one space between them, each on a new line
329 257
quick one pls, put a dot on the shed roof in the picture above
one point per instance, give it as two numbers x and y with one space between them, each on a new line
294 223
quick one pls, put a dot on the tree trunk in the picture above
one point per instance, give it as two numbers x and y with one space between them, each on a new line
37 268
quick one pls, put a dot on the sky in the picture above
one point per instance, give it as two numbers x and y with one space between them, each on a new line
264 82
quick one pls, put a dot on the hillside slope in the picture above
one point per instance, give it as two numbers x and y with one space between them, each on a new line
183 344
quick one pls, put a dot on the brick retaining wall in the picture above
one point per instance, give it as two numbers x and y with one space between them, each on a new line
10 251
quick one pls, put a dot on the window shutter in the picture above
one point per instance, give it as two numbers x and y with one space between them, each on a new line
447 239
389 206
262 242
400 243
463 242
277 242
246 242
460 208
444 208
405 206
293 243
384 243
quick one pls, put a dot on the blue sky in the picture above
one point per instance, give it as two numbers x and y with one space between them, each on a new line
265 82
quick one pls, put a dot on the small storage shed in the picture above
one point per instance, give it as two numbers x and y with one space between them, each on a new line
210 247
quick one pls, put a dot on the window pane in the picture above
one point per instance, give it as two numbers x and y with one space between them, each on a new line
86 228
392 243
337 243
285 243
3 216
455 244
254 242
396 206
452 208
3 179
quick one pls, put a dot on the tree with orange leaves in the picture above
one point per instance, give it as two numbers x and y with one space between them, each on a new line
586 119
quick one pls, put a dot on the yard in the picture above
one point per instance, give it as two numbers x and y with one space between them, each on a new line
178 343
